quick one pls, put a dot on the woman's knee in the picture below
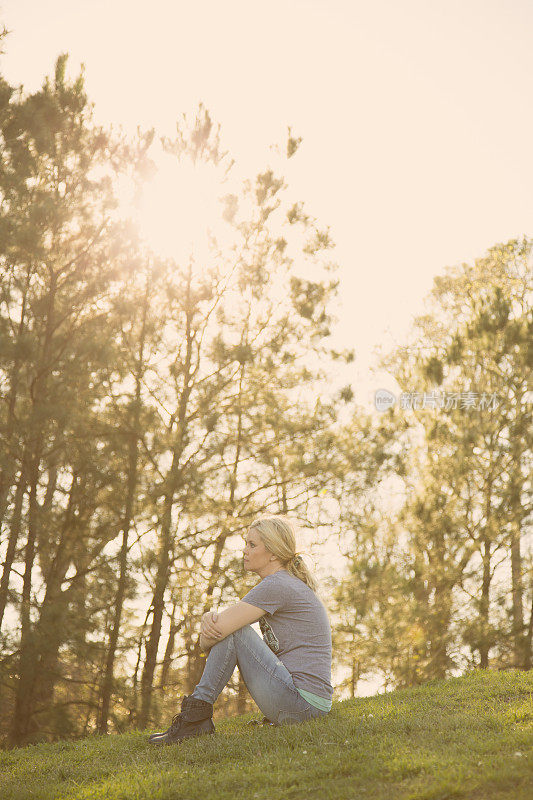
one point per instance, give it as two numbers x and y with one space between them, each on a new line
246 632
246 637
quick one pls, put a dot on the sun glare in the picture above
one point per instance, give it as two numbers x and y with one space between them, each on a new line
178 208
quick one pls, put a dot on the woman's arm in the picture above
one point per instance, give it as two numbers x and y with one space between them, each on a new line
209 630
231 619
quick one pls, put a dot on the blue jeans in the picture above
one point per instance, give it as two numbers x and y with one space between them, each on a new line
267 679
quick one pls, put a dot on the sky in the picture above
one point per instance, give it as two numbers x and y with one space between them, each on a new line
416 121
415 118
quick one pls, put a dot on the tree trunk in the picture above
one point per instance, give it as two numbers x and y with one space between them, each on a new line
7 474
107 683
169 649
163 566
440 623
484 603
354 675
133 712
14 533
152 645
517 597
528 639
40 643
20 725
28 647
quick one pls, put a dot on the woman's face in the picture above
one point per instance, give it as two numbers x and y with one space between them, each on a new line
256 557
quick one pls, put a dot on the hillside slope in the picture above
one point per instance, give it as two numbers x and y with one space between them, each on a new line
468 737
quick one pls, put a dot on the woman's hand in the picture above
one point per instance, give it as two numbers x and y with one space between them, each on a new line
208 627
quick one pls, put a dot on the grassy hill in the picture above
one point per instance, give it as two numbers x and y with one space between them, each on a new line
468 737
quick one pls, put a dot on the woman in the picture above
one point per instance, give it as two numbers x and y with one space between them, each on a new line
288 672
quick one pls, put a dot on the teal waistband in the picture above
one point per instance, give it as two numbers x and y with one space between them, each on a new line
316 700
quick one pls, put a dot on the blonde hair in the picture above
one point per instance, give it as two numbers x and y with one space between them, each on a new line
277 532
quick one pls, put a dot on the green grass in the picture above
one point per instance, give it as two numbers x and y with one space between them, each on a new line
468 737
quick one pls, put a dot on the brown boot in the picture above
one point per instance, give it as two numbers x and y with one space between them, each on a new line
195 719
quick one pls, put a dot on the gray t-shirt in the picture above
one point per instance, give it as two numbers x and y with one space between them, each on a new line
300 623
